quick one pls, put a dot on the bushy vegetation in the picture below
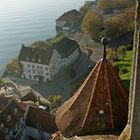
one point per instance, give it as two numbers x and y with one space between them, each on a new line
1 83
120 24
55 100
92 23
123 63
110 4
14 67
46 43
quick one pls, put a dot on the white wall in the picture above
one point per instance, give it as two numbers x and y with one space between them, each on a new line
55 64
32 69
70 59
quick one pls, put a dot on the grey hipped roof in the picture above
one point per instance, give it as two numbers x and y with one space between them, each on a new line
66 46
71 15
35 55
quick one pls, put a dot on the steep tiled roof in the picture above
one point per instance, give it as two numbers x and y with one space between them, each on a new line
10 114
29 97
4 101
99 106
24 105
66 46
36 55
69 16
40 119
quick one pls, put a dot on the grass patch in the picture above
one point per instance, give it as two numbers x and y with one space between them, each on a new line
126 63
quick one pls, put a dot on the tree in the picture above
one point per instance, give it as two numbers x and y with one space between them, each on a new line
121 52
14 66
50 98
106 4
84 9
58 100
120 24
110 4
112 55
1 83
92 23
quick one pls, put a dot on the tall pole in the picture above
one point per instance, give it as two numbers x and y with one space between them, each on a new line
104 41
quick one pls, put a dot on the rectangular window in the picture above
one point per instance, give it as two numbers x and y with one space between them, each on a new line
28 65
46 68
33 71
33 66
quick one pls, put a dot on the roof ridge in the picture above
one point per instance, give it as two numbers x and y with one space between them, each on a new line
87 112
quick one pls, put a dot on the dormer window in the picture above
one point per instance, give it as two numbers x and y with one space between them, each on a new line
8 118
39 60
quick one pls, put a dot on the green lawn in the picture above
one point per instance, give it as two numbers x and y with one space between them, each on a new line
126 63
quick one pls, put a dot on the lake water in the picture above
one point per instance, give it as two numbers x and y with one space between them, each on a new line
24 21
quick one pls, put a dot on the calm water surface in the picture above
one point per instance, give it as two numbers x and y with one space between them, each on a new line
24 21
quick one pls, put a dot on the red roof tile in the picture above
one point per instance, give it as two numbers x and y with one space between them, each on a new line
99 106
40 119
29 97
4 101
10 114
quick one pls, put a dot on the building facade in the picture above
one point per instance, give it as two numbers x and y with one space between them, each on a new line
43 64
69 21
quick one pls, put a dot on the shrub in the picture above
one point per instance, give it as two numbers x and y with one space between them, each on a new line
123 71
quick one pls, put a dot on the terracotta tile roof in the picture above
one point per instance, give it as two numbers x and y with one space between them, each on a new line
99 106
4 101
72 15
29 97
40 119
10 114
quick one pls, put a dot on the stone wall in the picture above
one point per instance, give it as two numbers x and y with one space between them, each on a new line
132 130
135 91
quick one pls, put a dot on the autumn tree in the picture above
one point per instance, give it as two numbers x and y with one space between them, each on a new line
120 24
13 66
121 52
110 4
106 4
1 83
84 9
92 23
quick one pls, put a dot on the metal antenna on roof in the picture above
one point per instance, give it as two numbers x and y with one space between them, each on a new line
104 41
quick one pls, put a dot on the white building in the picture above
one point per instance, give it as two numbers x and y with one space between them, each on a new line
69 21
44 64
